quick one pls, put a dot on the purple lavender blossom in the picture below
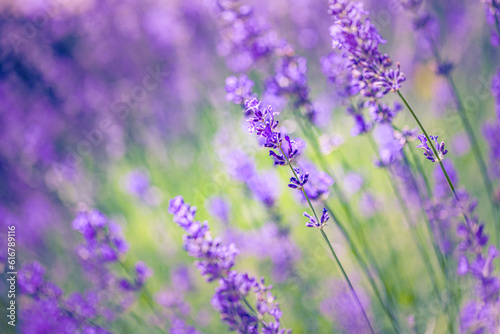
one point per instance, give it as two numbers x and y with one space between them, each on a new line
383 113
215 262
317 224
336 68
219 207
492 10
49 311
318 184
340 306
291 150
290 79
389 147
441 188
359 39
30 278
299 181
138 183
481 312
429 154
492 129
103 239
245 39
239 89
495 91
265 187
361 126
262 243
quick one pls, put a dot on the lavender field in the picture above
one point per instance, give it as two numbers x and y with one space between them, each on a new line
271 167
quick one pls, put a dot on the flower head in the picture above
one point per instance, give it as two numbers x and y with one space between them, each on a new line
299 181
314 223
428 152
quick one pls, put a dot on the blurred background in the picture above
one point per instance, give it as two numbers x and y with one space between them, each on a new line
121 106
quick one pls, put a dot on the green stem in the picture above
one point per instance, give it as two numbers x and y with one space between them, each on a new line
353 222
412 225
477 152
448 180
367 271
329 245
348 281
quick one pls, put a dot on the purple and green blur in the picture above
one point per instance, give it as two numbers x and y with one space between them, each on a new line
249 166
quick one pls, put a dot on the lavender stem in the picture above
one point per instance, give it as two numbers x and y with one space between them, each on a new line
330 246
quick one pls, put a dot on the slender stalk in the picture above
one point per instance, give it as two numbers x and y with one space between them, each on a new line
477 152
347 279
448 180
472 138
469 130
368 273
353 222
353 292
249 305
411 223
437 251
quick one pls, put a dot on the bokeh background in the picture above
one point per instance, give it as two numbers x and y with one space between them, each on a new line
121 106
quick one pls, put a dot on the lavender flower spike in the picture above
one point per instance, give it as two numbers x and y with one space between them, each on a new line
215 262
429 154
299 181
312 221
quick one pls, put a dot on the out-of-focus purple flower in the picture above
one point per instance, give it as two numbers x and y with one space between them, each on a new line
49 312
492 135
312 220
265 187
481 312
290 79
219 207
492 10
328 143
492 129
360 125
406 135
389 146
239 165
495 91
336 68
238 90
175 310
444 68
411 4
103 240
352 182
428 27
441 219
429 154
340 306
137 183
30 278
441 188
318 184
245 38
383 113
368 205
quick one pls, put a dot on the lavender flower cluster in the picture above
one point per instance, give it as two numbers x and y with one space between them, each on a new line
215 262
